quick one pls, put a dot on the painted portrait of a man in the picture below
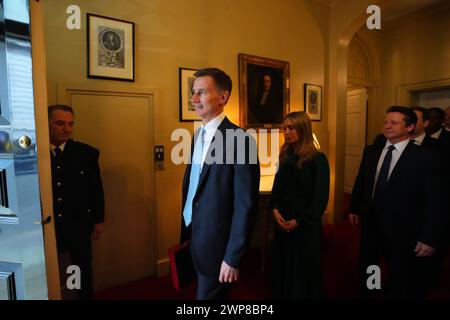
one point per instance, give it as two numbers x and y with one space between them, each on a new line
265 95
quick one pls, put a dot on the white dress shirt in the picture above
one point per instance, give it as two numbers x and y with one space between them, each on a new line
210 131
437 134
419 139
396 153
61 147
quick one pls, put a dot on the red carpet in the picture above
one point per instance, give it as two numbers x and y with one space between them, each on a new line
339 264
254 285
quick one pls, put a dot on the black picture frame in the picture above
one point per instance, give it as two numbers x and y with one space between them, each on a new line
263 91
110 48
312 98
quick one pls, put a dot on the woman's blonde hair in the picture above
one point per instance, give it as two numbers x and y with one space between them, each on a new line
304 148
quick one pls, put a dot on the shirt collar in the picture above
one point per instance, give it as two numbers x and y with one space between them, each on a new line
399 146
420 138
61 146
437 134
212 125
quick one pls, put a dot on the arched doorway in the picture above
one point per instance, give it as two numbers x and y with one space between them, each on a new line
363 83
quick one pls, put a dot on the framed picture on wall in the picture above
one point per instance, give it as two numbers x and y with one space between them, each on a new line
313 101
110 48
186 81
263 91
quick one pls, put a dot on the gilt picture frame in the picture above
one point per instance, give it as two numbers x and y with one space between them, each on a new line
263 91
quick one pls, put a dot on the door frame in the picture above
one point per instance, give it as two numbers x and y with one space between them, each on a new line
403 92
43 143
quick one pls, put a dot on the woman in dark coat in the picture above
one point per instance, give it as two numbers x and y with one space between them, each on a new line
299 198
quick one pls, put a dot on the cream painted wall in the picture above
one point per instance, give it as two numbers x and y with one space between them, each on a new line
416 48
196 33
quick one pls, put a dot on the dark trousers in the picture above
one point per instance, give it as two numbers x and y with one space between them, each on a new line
83 258
209 288
408 276
80 256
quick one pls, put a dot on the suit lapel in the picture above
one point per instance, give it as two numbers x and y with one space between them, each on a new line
185 186
426 141
187 173
68 149
374 163
441 136
205 169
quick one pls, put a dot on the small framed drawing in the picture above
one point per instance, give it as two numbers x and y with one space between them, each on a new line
110 48
186 81
313 101
263 91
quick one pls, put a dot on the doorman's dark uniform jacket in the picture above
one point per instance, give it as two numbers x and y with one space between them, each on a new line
78 199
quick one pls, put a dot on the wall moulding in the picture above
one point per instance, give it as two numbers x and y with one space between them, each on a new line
403 91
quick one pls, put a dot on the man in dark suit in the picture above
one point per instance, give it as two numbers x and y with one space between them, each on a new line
419 135
447 119
398 196
437 130
78 200
220 189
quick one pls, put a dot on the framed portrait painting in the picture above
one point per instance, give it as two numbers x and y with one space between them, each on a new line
186 81
110 48
313 101
263 91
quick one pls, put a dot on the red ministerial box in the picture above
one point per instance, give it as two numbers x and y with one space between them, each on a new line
181 266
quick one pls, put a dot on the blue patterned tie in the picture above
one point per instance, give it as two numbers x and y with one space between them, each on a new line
194 177
384 173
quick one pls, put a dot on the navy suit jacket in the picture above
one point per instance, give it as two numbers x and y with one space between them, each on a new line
76 181
411 208
225 205
444 146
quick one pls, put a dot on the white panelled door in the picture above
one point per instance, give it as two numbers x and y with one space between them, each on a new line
355 139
